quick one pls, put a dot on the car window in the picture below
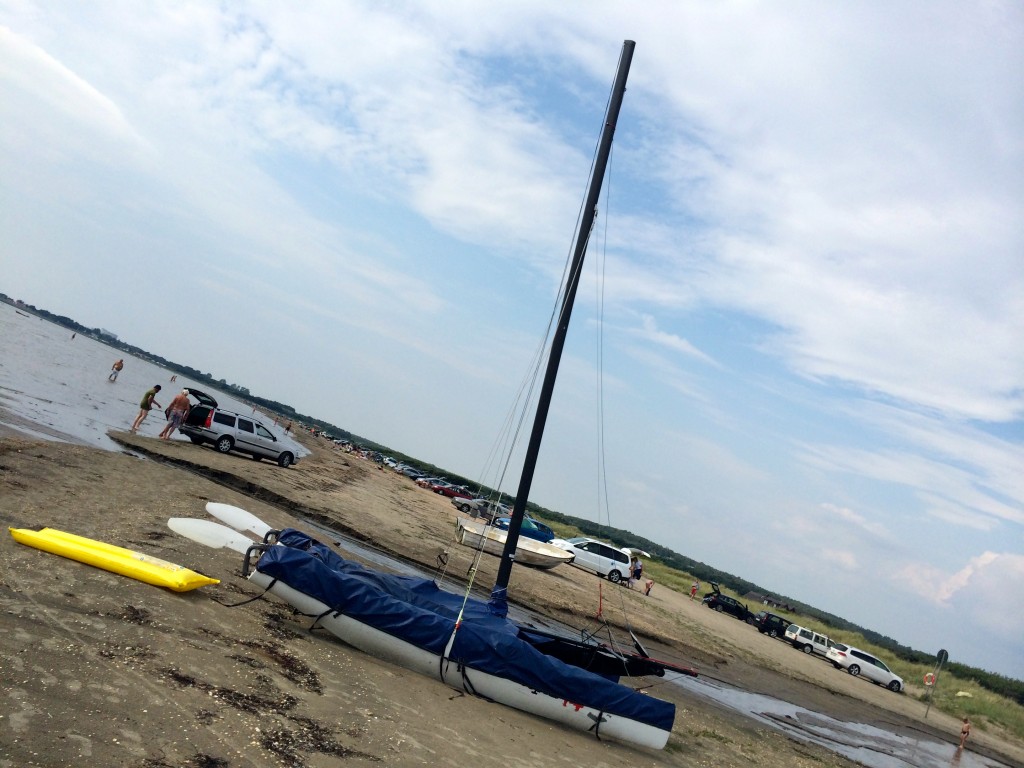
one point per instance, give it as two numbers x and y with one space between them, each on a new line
264 432
244 425
224 418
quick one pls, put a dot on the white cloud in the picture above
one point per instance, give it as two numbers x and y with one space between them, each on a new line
876 530
842 558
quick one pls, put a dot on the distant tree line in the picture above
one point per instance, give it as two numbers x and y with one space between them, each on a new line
998 684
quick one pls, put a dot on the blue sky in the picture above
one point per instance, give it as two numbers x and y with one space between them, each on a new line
811 240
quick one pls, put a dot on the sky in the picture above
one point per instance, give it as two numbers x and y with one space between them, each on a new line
797 352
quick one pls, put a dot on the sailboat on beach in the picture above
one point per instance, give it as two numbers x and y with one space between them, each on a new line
467 643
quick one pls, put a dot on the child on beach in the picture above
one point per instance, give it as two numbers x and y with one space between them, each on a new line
965 732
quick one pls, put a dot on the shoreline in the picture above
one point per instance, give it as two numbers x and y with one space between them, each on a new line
203 661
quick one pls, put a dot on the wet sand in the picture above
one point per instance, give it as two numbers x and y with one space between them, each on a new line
101 669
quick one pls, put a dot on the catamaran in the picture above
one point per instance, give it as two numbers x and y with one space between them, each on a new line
467 643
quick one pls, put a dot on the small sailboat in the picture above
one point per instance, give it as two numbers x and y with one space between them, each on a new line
470 644
538 554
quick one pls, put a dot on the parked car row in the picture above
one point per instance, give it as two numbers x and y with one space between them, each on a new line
853 660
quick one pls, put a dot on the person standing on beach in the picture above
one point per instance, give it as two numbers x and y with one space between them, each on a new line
638 570
693 589
148 402
176 413
965 732
115 369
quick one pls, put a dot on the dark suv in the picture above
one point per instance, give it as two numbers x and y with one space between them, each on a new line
724 603
228 431
770 624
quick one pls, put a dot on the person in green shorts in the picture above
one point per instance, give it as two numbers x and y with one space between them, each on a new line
148 402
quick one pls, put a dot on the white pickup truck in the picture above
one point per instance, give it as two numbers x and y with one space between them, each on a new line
807 640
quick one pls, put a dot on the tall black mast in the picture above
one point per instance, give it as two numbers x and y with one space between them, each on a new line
499 594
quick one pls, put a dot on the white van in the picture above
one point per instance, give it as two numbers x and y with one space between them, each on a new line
809 641
599 557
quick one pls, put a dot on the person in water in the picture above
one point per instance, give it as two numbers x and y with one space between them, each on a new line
115 369
148 403
176 413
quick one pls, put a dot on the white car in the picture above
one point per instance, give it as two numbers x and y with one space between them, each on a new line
858 662
599 557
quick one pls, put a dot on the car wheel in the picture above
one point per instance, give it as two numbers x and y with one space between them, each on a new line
837 666
467 508
773 633
807 649
195 440
439 493
224 444
255 457
894 686
854 670
285 460
718 608
614 577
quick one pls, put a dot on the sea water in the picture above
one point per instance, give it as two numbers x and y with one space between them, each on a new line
54 385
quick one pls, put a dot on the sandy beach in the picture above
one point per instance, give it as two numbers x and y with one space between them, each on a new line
110 671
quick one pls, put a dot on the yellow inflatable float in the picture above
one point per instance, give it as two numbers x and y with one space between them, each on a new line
127 562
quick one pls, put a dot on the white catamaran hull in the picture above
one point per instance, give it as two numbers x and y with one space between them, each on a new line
390 648
528 551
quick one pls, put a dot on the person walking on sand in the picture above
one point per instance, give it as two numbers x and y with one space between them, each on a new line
176 413
148 402
965 732
115 369
693 589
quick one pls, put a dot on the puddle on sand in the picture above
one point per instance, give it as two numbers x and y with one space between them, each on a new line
867 744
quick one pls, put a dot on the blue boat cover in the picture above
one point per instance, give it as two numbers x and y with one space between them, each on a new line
417 611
